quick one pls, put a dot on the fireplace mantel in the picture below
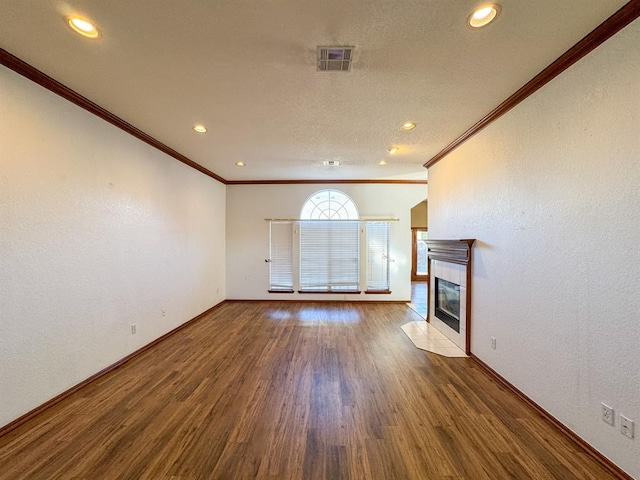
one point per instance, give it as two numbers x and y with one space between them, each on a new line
443 253
452 251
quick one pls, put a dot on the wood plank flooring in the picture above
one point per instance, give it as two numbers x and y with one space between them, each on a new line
280 390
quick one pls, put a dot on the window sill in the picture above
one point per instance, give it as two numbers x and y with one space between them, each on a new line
330 291
350 292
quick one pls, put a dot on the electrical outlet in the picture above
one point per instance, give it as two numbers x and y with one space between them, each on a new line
607 414
626 426
163 312
493 343
134 329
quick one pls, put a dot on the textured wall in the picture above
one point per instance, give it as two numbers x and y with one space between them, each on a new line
551 192
99 231
248 232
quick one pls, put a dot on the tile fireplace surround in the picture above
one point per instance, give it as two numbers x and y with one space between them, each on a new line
450 260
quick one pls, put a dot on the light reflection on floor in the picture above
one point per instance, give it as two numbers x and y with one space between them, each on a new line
319 314
419 298
278 315
315 315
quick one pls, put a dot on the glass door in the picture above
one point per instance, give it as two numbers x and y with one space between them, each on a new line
419 263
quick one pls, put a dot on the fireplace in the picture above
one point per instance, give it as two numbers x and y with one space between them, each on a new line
450 289
447 303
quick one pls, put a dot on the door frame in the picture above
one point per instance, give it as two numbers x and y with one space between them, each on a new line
414 257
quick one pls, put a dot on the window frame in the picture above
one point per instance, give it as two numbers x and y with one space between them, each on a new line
331 206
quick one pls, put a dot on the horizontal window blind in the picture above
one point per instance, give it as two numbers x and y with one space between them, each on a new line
377 256
329 256
281 256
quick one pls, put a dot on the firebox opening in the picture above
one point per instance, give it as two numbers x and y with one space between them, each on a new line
447 303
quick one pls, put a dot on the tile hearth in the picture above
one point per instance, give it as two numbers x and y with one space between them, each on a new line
426 337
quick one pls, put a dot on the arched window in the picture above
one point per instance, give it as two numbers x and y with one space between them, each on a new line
329 243
333 246
329 205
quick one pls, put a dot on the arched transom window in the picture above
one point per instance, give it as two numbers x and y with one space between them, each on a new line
329 205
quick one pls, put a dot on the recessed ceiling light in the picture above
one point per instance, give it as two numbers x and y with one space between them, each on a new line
240 164
409 126
198 127
484 15
83 27
382 162
393 150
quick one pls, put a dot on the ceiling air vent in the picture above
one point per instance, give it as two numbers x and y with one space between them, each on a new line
334 59
331 163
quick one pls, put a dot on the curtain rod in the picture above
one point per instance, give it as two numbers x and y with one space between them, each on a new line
330 220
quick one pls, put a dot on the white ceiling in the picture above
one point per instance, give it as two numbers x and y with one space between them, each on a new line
247 70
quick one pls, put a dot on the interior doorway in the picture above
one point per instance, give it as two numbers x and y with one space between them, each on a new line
419 259
419 263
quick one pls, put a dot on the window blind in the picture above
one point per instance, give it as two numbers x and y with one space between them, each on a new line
378 256
329 256
281 256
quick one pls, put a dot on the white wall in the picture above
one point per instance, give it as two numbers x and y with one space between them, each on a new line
99 231
248 233
552 193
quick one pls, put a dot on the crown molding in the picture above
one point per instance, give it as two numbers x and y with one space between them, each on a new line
23 68
623 17
316 182
31 73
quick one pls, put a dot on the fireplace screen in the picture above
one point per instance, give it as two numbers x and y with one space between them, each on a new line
447 303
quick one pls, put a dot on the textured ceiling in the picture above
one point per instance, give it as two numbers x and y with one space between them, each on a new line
247 70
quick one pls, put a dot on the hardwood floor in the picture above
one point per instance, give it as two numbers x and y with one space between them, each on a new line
282 390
